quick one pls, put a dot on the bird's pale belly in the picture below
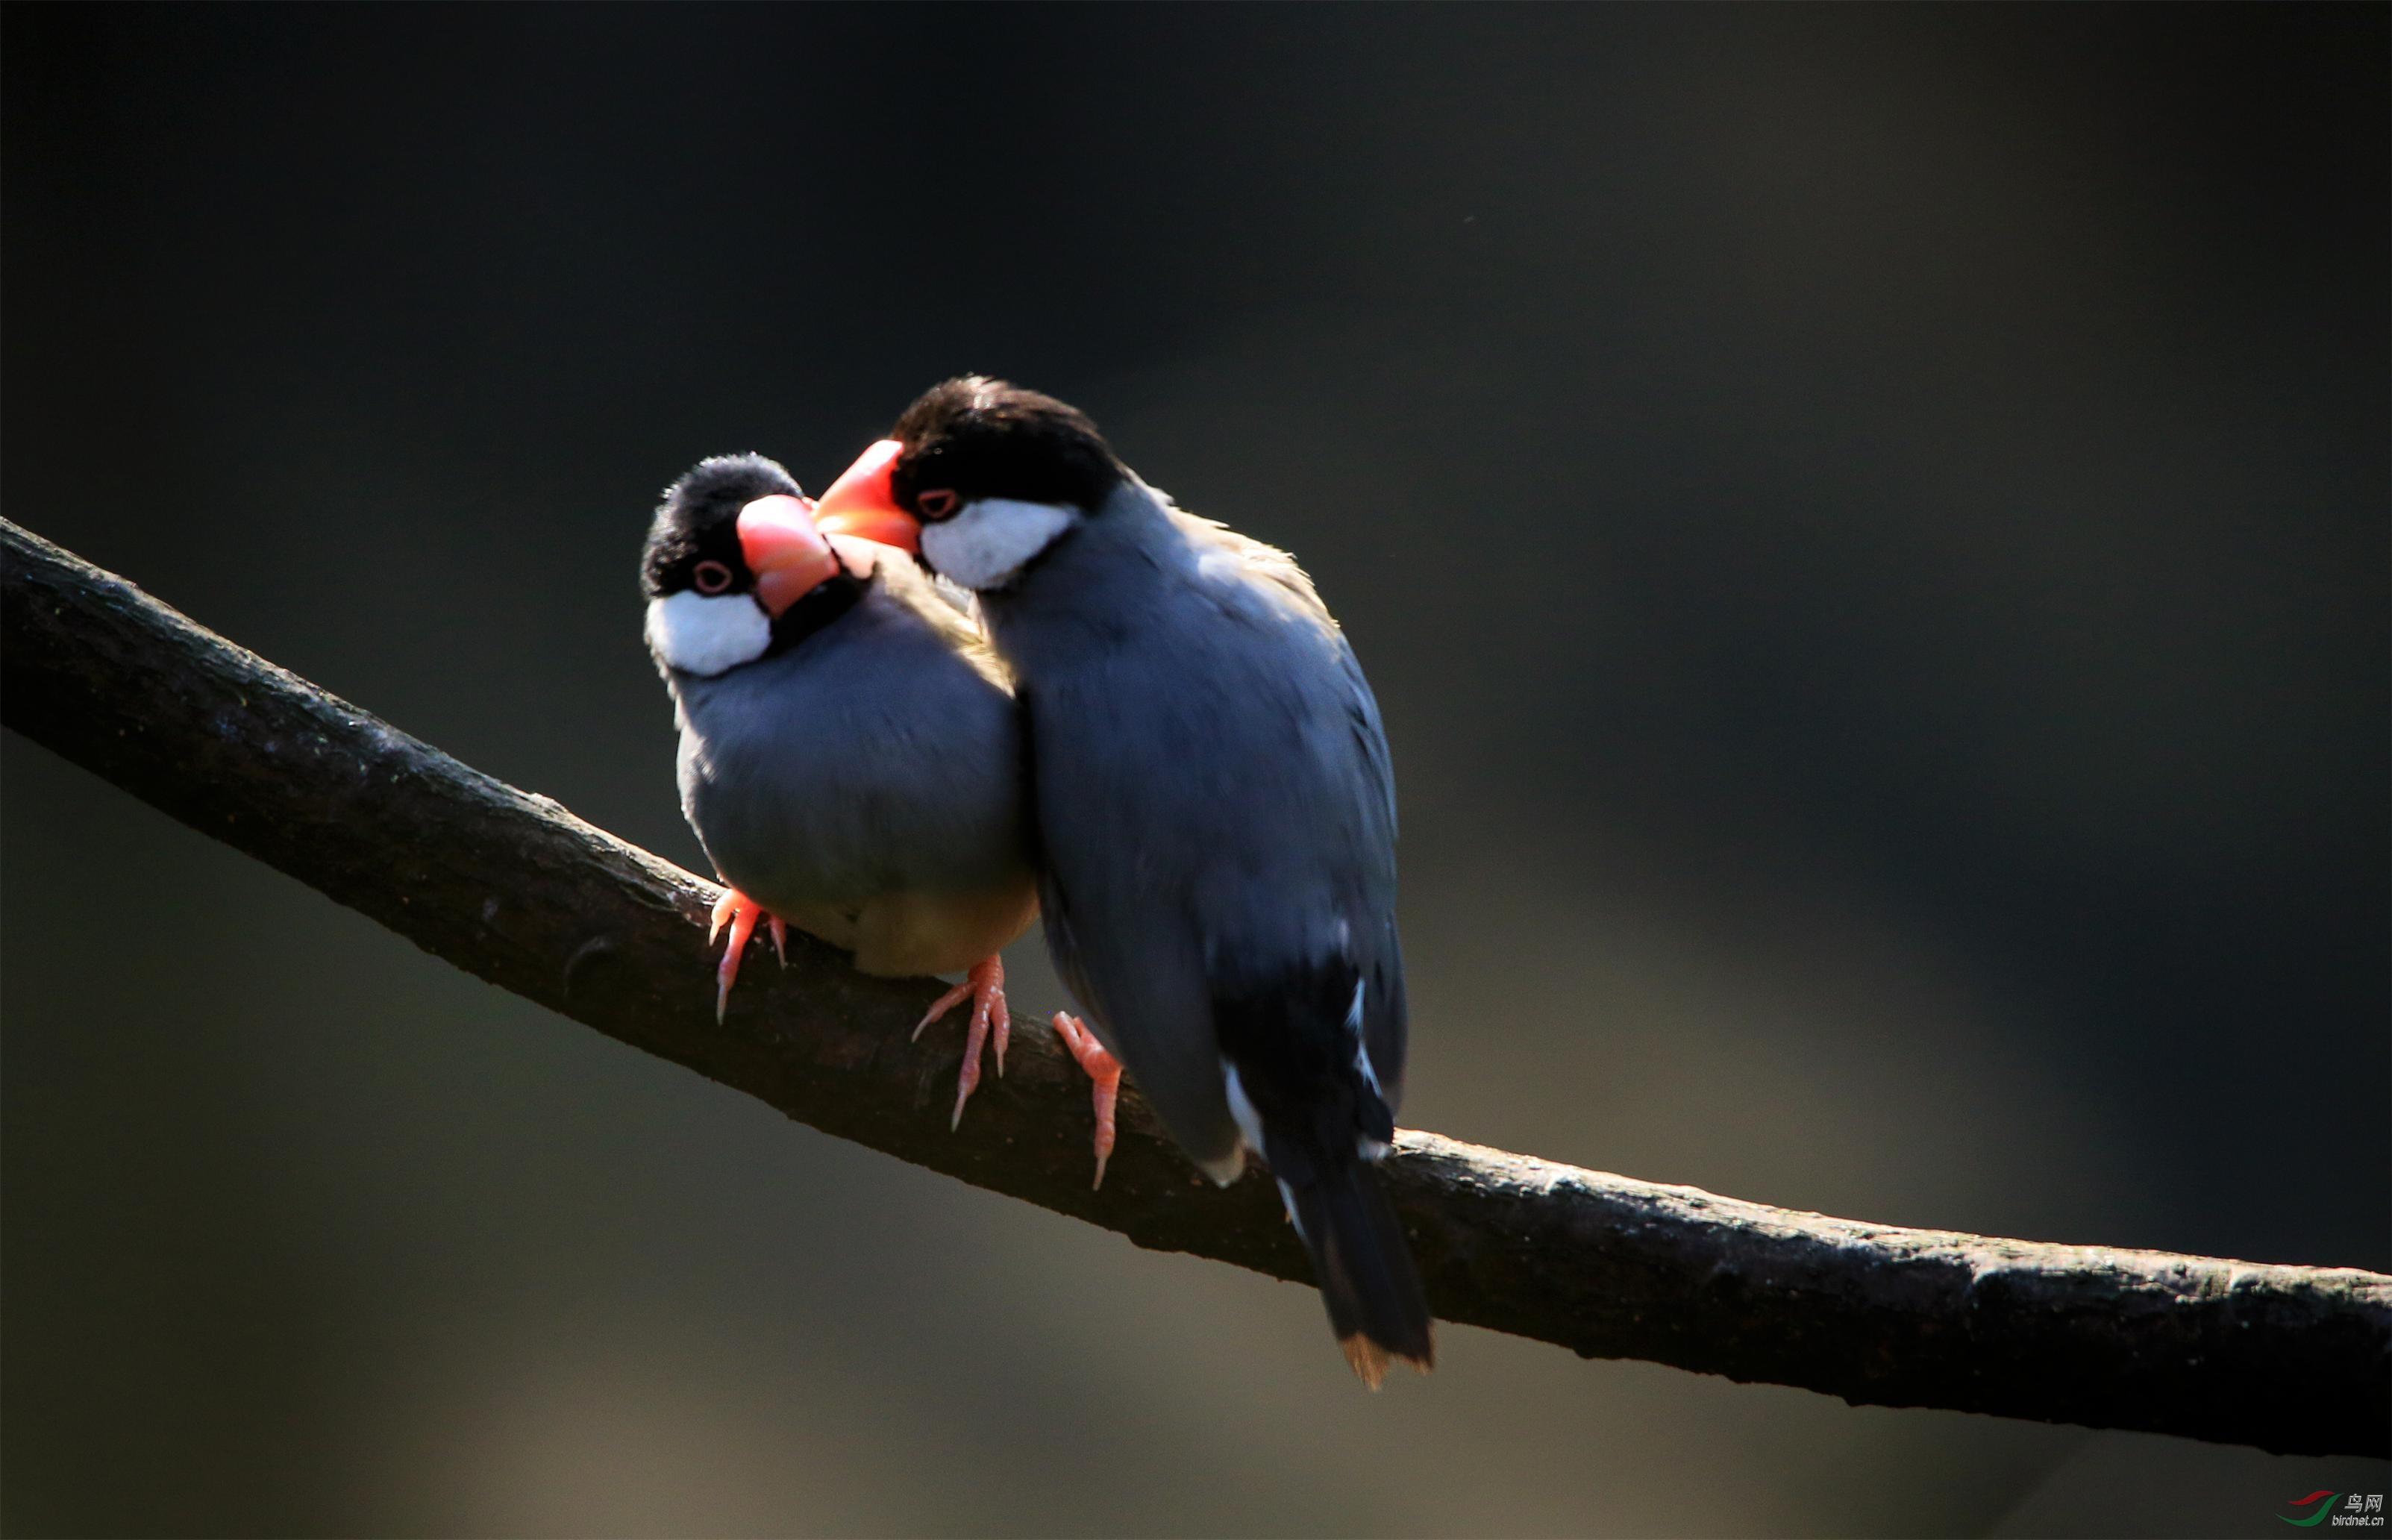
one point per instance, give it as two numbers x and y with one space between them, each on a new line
906 934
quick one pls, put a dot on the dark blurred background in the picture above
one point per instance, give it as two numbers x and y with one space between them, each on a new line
1868 526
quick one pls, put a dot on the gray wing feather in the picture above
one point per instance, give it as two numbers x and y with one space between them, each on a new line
1214 790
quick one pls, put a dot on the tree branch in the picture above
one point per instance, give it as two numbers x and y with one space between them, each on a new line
515 889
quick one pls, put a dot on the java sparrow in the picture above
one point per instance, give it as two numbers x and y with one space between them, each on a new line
850 754
1216 809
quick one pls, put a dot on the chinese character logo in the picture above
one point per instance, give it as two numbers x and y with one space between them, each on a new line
2356 1509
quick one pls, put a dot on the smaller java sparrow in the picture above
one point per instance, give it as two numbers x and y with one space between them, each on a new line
851 752
1215 808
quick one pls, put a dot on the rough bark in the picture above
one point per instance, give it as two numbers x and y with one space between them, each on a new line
515 889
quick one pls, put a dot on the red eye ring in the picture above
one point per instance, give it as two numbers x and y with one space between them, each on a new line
709 576
938 502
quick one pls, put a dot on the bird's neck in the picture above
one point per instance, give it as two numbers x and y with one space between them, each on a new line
1094 586
824 605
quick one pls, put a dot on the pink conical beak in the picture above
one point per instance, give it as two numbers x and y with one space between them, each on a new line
784 549
860 502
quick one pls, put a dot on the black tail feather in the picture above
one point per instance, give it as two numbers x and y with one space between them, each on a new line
1364 1269
1297 1067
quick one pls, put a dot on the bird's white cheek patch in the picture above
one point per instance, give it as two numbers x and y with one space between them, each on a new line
707 633
987 544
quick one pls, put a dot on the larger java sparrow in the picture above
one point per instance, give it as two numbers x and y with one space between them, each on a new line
850 754
1216 812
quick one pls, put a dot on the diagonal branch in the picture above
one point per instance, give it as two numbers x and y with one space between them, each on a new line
512 888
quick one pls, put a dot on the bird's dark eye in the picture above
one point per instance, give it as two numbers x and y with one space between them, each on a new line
709 576
938 502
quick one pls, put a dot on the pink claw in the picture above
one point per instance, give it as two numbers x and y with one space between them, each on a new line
740 912
1104 1072
985 986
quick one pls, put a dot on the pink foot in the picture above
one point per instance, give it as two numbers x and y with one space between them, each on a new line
741 913
986 986
1104 1072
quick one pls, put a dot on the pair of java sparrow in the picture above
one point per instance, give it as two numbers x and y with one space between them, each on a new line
1154 733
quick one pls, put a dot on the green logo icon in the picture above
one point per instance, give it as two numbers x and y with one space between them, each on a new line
2324 1501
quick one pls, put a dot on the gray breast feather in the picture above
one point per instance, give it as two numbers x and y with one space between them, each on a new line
881 754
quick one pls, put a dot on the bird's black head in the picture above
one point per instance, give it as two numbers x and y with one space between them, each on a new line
979 477
694 545
737 568
973 439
